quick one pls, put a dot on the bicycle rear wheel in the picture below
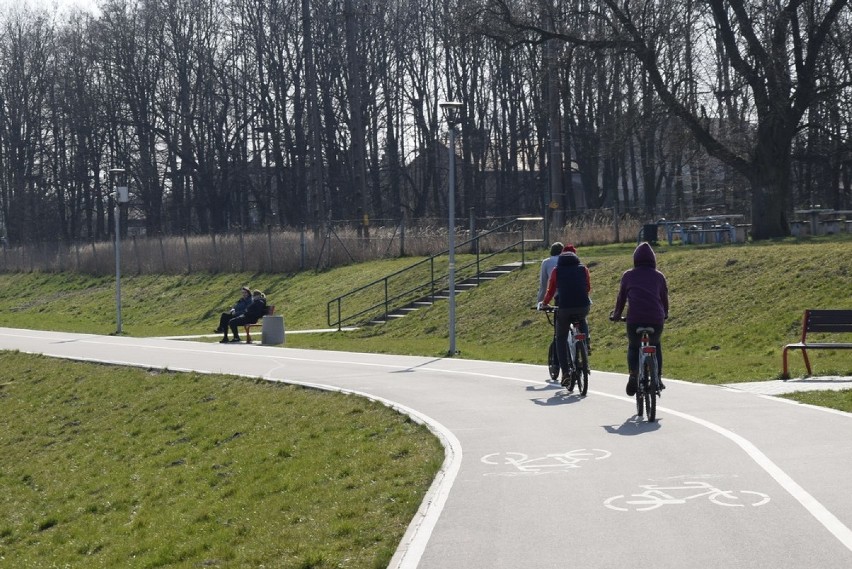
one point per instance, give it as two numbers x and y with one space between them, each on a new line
553 361
581 369
650 380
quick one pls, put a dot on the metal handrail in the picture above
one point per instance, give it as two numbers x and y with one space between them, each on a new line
420 289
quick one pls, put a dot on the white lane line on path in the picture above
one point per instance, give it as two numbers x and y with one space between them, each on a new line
828 520
811 504
817 510
814 507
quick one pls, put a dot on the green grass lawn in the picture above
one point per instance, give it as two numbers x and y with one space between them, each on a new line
840 400
122 467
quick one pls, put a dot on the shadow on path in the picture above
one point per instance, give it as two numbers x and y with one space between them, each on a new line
632 427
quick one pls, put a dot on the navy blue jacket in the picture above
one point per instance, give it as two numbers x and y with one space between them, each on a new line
256 310
242 305
571 280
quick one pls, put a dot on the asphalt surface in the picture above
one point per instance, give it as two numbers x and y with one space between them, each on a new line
535 477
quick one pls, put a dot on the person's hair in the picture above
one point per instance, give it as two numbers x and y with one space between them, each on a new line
556 248
258 293
246 289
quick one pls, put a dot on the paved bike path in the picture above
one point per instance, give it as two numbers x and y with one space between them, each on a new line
538 478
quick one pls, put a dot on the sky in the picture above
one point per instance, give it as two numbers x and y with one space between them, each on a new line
88 5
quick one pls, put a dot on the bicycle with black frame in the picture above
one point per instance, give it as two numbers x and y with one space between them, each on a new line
577 352
648 384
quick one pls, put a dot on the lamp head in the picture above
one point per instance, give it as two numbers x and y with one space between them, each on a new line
451 109
121 193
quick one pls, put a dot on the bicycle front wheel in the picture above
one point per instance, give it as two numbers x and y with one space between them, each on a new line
581 369
650 382
553 361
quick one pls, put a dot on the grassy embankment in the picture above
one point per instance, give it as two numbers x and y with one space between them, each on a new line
732 308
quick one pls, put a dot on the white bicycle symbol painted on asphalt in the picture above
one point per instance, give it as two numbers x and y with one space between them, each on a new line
657 496
547 464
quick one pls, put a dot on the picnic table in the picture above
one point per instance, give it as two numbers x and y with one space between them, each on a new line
818 221
706 229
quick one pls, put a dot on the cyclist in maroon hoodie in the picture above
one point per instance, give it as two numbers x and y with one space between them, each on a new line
646 293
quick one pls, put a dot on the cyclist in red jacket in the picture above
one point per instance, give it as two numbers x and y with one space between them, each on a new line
571 283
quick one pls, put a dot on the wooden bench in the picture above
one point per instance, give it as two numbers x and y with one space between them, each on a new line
270 310
820 322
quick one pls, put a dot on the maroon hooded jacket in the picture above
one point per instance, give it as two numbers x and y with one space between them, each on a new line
644 289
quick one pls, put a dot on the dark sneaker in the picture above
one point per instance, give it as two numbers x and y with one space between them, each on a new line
234 340
631 386
224 341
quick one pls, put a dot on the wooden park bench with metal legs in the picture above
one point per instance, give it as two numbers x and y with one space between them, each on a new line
270 310
820 322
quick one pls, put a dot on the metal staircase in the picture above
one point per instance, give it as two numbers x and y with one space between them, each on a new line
463 286
422 284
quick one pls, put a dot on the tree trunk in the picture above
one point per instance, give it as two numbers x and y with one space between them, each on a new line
354 86
770 184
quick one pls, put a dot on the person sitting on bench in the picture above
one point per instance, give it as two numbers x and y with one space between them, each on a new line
255 311
238 310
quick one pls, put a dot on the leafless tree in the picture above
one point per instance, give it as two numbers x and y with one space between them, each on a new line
25 80
241 114
775 52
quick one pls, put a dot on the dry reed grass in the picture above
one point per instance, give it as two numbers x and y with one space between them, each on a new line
290 251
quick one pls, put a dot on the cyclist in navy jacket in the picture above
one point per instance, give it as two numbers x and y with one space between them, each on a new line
645 291
571 283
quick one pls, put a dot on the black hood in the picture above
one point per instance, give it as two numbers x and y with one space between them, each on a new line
568 260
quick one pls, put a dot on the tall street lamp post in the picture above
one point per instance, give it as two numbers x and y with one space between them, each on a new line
451 109
121 196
